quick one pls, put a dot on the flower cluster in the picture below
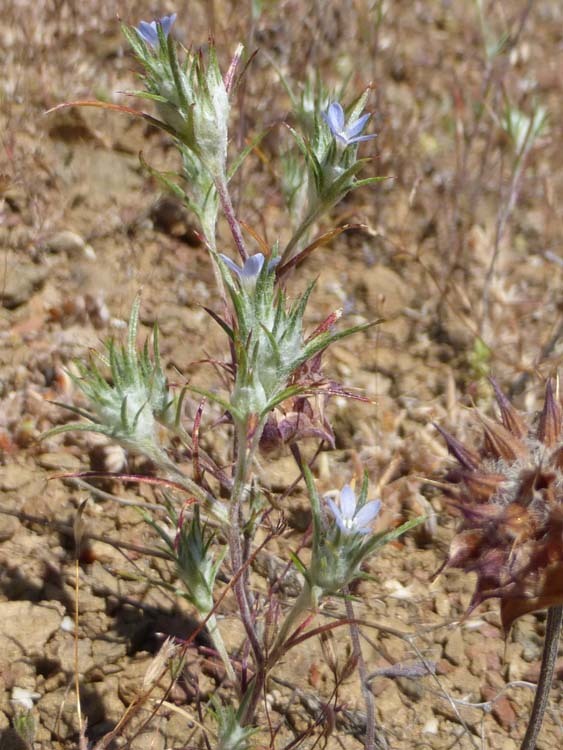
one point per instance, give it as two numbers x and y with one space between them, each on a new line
191 550
510 496
137 399
248 274
191 98
340 547
330 149
270 347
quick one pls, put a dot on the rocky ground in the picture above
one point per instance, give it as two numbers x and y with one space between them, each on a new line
83 228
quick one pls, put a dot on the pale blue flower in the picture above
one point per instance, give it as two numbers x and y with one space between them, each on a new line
349 134
349 520
250 271
149 31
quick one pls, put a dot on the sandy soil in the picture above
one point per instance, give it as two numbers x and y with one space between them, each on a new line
83 227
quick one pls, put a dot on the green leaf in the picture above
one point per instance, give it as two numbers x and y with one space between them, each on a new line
177 75
140 94
326 339
216 399
165 179
289 392
245 152
138 45
79 426
274 344
379 540
298 564
117 370
369 181
355 109
75 410
316 510
346 180
133 328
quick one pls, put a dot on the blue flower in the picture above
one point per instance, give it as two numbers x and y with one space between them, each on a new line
149 31
349 134
248 274
349 520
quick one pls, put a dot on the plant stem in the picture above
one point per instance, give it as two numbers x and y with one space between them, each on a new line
244 458
504 215
220 648
302 603
300 231
213 506
362 673
229 211
76 620
243 461
549 656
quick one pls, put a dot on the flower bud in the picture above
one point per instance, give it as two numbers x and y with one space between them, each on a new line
195 563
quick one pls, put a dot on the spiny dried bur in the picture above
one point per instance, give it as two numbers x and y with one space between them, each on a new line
510 497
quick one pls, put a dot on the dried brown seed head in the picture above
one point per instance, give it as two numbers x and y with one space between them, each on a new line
510 496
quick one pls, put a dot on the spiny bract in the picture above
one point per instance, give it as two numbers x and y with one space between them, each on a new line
510 496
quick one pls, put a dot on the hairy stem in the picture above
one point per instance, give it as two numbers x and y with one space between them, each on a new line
301 605
229 211
257 686
305 225
220 648
243 462
245 456
209 503
363 675
549 656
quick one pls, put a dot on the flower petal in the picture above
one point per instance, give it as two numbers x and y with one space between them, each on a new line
147 32
341 138
347 501
252 266
355 128
335 117
366 515
231 265
361 138
335 510
167 22
274 263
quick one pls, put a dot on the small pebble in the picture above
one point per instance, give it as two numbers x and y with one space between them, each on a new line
66 242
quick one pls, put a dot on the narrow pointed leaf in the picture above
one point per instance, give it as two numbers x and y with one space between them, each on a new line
216 399
318 242
245 152
227 328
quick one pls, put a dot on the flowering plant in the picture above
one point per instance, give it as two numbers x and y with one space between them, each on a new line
330 149
274 391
